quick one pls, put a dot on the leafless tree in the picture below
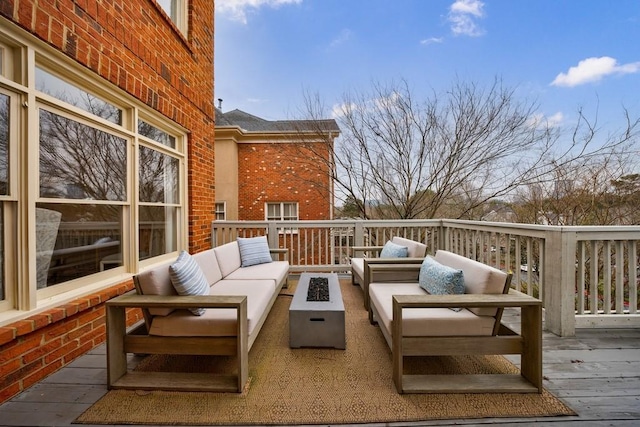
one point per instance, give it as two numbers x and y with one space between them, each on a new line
448 154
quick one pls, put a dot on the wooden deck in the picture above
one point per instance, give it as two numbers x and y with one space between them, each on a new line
597 373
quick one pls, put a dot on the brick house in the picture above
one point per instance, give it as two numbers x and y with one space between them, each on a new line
107 164
273 170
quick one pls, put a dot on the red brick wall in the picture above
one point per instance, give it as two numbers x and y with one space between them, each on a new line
133 45
39 345
282 172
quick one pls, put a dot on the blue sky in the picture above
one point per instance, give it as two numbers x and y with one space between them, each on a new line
561 54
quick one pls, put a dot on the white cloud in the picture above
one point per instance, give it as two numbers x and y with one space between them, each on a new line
431 40
551 121
342 37
463 15
340 110
592 70
237 9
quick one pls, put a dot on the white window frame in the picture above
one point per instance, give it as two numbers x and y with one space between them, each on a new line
221 211
283 230
282 205
22 51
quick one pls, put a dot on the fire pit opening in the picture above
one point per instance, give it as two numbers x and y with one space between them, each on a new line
318 289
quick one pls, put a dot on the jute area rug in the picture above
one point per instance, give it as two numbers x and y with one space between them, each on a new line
317 386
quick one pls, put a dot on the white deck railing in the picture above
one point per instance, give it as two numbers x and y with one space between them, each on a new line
585 276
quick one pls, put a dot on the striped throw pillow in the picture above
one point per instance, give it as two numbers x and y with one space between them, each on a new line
254 250
188 279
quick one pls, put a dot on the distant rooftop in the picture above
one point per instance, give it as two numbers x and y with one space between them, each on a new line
250 123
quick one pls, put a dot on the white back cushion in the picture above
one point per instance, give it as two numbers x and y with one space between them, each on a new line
415 249
209 265
228 256
479 278
157 282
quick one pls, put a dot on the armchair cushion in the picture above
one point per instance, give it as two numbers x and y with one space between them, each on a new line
393 250
188 279
479 278
218 322
420 322
415 249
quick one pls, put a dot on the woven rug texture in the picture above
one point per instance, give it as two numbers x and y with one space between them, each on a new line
316 385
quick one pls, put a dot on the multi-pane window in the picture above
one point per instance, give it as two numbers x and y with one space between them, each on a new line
282 211
99 177
221 211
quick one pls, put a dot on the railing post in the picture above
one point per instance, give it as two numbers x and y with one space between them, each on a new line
443 236
273 235
358 234
559 282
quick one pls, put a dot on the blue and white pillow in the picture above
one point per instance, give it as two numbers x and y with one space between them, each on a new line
439 279
254 251
393 250
188 279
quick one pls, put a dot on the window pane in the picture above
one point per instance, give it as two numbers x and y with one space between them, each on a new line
158 230
4 144
158 177
169 6
3 295
289 211
156 134
80 162
220 211
74 240
273 211
60 89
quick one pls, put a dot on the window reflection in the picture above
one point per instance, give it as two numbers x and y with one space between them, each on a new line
158 230
4 144
156 134
171 8
75 240
3 295
80 162
158 177
60 89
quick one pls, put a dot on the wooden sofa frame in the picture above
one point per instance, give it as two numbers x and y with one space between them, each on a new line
121 341
504 340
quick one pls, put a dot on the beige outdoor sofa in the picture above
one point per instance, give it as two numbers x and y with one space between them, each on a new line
238 303
370 255
415 323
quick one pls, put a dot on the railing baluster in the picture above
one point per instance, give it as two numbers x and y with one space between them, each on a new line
606 299
633 276
594 278
581 278
619 308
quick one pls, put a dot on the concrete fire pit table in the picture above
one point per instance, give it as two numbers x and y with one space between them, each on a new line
315 318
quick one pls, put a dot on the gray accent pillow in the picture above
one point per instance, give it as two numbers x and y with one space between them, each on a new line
254 251
188 279
392 250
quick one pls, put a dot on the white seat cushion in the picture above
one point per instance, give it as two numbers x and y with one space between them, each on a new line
275 270
218 322
357 269
421 322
